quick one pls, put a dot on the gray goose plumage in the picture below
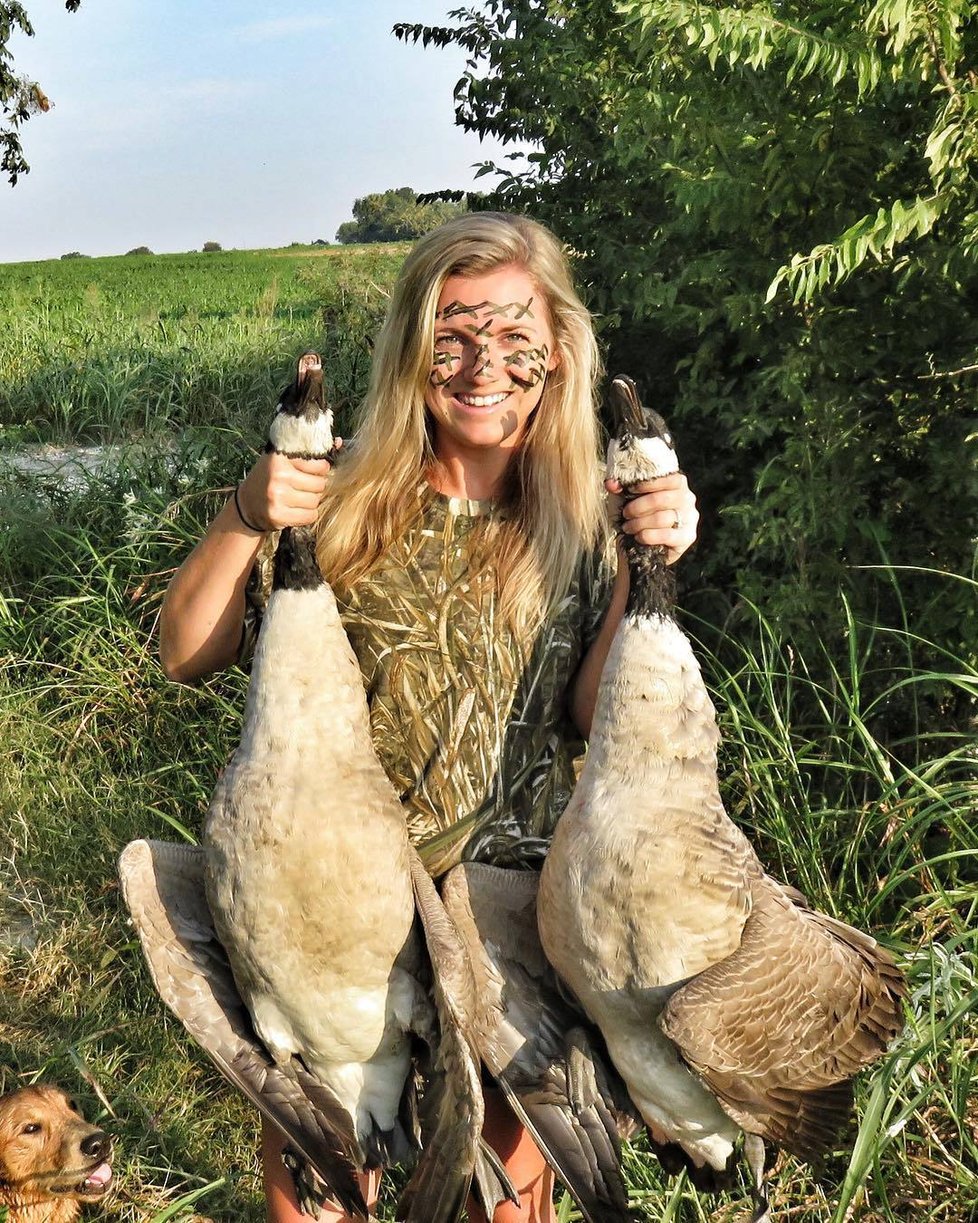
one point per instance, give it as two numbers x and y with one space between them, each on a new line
728 1005
313 890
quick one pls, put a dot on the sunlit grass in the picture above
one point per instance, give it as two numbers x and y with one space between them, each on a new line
104 349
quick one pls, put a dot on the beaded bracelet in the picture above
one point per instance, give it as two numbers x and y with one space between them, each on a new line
237 506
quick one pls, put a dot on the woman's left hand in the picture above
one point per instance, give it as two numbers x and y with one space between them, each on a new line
663 512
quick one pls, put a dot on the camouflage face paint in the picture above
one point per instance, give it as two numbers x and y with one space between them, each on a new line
533 361
445 361
481 362
492 348
492 309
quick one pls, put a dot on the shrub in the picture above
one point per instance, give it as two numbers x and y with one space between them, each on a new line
139 250
212 246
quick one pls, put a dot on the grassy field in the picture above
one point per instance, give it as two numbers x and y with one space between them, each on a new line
107 349
186 353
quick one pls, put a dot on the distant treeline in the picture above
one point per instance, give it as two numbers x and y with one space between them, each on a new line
393 216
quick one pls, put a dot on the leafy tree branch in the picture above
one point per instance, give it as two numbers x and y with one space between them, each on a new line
774 210
20 97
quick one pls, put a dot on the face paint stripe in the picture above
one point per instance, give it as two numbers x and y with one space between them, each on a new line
491 309
483 355
456 307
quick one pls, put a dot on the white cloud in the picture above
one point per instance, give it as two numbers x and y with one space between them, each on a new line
282 27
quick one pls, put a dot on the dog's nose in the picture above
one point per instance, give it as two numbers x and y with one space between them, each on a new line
97 1145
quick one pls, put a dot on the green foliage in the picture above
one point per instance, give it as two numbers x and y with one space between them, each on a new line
393 216
773 210
20 97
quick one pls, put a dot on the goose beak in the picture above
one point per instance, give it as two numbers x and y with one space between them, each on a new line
625 406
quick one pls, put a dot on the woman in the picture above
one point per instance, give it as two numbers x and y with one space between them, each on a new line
466 539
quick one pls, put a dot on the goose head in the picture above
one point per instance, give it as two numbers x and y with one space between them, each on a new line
641 445
302 427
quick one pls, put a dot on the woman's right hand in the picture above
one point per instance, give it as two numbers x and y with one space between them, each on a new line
200 624
281 492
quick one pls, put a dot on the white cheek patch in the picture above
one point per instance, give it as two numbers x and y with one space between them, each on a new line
646 458
298 435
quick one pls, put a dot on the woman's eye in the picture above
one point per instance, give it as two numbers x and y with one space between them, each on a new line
517 337
446 341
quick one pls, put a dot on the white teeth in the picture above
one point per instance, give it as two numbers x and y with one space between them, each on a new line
482 401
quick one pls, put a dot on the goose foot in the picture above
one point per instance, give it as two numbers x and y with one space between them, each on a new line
754 1154
491 1183
310 1189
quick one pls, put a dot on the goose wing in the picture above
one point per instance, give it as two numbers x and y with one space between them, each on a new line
778 1029
536 1046
163 887
452 1107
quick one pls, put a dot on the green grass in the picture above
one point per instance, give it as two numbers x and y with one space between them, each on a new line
877 827
106 349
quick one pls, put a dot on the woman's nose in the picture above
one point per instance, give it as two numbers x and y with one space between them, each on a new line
481 362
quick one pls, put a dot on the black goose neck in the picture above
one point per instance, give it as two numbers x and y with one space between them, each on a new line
651 583
296 566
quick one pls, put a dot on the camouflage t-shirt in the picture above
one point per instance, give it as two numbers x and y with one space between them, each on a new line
470 722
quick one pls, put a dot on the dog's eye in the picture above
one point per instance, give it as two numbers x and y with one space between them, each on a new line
32 1127
73 1105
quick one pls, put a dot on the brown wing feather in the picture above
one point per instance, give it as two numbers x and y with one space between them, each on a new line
452 1109
778 1028
163 886
535 1045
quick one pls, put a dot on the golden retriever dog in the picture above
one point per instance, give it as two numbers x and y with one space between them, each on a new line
51 1159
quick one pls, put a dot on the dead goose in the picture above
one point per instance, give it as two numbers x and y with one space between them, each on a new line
727 1004
330 965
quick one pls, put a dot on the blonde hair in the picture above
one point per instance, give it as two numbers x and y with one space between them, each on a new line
551 507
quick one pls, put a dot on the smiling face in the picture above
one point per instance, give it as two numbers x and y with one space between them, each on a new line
493 350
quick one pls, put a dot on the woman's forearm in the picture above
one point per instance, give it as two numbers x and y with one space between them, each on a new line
584 689
203 611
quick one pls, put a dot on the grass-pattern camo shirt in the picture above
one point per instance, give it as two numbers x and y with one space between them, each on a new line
469 721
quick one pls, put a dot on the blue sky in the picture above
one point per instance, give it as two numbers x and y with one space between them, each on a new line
249 124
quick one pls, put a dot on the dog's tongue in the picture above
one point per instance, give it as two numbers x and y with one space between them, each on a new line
100 1177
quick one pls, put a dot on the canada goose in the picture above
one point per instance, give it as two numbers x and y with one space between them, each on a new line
728 1005
313 890
540 1051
